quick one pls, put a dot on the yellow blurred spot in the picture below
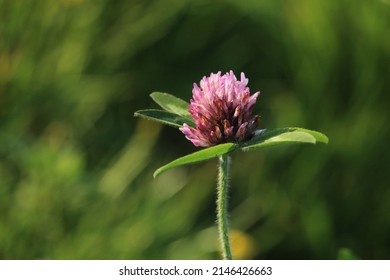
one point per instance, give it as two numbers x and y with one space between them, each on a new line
243 246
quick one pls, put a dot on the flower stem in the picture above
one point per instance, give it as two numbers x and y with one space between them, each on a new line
222 215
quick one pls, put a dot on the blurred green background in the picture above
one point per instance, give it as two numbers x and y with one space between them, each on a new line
76 166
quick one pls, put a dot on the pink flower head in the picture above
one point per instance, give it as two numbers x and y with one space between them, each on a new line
222 111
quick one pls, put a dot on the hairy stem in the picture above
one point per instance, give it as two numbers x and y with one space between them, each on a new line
222 205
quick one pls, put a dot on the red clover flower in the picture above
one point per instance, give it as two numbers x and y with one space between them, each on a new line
222 111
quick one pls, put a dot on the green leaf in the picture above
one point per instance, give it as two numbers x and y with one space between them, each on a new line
171 103
164 117
201 155
282 136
